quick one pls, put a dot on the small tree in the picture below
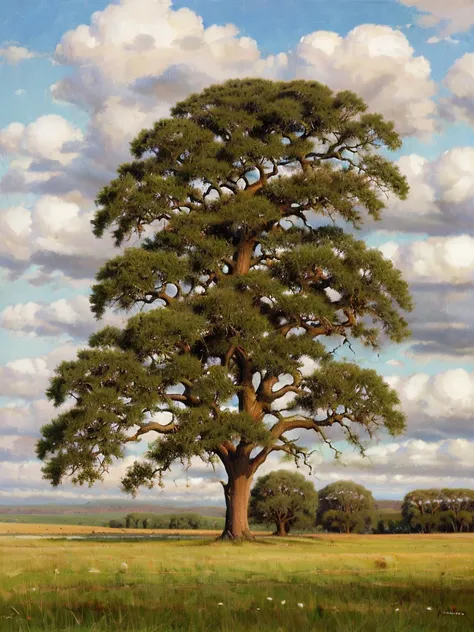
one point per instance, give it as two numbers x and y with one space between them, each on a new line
243 274
346 506
286 499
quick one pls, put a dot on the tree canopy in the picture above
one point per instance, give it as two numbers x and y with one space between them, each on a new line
237 276
345 506
286 499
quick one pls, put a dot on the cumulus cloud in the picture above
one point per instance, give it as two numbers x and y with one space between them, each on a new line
71 317
13 54
20 419
54 235
436 260
460 82
28 378
45 138
437 406
441 194
456 16
378 63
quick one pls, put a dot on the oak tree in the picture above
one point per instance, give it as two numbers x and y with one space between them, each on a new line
345 506
286 499
242 273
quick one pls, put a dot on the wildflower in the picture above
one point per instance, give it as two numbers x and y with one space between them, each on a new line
56 571
269 598
220 603
301 605
429 608
258 608
123 567
397 609
94 570
283 602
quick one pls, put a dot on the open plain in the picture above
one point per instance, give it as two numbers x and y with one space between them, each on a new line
324 582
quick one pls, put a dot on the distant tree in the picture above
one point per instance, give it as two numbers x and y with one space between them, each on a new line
243 275
145 522
345 506
338 520
421 508
116 524
286 499
458 508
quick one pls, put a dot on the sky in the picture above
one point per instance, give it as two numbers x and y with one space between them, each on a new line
81 78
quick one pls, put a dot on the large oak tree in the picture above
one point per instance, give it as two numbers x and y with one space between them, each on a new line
242 274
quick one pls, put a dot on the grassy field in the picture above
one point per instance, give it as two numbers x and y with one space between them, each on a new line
342 583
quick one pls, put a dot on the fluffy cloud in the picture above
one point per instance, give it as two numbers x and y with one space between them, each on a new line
460 82
435 260
54 235
27 419
28 378
456 16
46 138
378 63
441 194
15 54
71 317
437 406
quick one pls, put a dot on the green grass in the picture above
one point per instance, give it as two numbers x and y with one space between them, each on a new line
343 582
92 520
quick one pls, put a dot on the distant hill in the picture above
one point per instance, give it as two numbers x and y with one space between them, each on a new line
109 508
389 505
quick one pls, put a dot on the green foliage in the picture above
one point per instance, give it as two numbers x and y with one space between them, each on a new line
428 510
181 521
240 279
346 506
286 499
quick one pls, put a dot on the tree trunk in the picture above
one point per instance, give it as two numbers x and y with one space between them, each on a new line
237 495
281 529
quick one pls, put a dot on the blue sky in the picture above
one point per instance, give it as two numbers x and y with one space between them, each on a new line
47 262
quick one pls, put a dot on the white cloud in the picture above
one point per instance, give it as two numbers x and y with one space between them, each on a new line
47 138
27 419
20 92
441 194
377 63
72 317
55 235
28 378
455 16
15 54
460 82
435 260
437 40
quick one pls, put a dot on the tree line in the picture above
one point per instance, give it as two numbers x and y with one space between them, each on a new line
290 502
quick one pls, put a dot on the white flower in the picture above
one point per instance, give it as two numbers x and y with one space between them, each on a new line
429 608
301 605
283 602
94 570
269 598
33 589
397 609
124 567
258 608
56 571
220 603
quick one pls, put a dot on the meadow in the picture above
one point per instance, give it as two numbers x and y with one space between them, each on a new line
325 582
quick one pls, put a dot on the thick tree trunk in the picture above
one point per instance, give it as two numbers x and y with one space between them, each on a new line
237 495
